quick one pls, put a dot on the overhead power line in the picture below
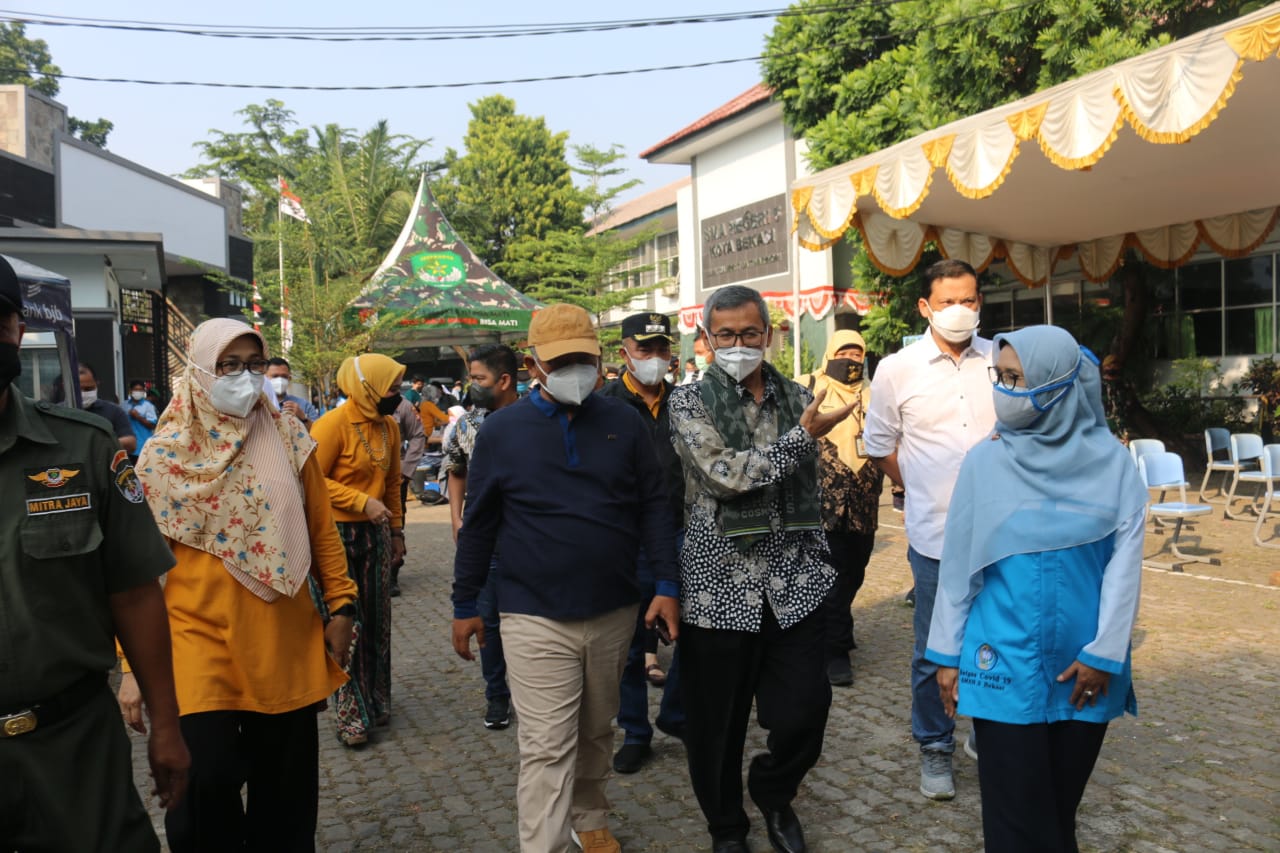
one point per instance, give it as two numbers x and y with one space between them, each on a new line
417 33
384 87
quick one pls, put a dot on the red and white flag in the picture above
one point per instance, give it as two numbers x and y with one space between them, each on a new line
257 309
290 204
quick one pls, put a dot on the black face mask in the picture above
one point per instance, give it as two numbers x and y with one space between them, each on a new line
482 397
387 405
10 365
844 370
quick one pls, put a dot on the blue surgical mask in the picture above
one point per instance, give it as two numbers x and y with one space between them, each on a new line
1019 408
1013 411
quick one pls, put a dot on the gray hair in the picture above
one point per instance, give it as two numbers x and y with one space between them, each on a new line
734 296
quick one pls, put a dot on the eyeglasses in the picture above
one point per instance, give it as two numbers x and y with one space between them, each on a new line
749 337
1009 379
234 367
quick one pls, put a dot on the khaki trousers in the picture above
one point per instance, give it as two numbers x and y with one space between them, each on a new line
564 680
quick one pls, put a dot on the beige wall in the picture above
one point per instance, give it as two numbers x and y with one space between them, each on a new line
28 124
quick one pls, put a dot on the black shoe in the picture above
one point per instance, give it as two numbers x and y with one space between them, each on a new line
910 598
785 833
840 672
631 757
395 590
676 731
498 714
731 846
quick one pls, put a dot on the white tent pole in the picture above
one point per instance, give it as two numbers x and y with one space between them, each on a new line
795 300
1048 297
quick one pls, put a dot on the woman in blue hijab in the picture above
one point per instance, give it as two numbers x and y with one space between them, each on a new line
1038 590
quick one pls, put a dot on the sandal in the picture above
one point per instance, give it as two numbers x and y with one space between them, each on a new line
656 676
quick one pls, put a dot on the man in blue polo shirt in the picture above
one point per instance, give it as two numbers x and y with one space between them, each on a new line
570 481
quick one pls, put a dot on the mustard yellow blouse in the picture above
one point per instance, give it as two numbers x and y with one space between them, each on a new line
351 473
232 651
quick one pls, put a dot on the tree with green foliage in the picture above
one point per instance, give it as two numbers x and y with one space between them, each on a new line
511 182
583 264
27 62
357 190
596 166
272 147
572 266
853 82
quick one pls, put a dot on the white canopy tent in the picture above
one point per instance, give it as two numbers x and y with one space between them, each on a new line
1167 153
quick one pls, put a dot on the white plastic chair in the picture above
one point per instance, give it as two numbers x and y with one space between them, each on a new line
1246 453
1271 473
1139 447
1217 440
1164 471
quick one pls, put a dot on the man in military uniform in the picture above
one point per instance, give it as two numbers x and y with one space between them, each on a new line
79 559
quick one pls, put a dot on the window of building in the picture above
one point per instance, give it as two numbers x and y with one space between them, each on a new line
1211 308
1224 307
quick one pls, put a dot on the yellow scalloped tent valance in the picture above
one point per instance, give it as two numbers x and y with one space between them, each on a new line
1167 97
895 245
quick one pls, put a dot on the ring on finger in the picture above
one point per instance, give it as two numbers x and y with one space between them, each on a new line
1088 694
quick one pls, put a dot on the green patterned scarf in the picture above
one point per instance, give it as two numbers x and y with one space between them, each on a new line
747 517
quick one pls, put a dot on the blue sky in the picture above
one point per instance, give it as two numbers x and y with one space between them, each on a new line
156 126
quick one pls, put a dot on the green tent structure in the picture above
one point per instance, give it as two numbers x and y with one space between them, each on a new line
432 291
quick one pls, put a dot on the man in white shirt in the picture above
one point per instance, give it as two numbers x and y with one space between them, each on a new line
930 403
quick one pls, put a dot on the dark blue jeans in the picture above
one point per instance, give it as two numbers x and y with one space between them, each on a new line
633 691
930 725
493 666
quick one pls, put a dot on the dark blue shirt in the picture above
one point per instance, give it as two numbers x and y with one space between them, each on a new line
569 503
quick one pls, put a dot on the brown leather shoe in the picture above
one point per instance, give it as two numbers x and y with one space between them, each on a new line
598 841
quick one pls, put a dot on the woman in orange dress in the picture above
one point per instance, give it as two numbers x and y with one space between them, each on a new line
235 487
359 453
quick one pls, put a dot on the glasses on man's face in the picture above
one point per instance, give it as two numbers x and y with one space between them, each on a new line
234 367
749 337
1008 379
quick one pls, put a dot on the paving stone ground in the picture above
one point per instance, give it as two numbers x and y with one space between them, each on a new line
1198 769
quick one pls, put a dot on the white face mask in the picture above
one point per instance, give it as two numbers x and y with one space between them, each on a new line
236 395
739 362
648 371
139 396
88 398
1014 412
571 385
954 324
279 384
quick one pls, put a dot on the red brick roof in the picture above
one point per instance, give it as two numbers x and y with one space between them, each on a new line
757 94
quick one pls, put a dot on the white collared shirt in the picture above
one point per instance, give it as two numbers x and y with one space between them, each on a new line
931 410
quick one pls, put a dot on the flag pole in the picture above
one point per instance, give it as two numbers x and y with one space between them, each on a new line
280 246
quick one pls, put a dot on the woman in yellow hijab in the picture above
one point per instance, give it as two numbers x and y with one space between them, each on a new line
850 485
358 448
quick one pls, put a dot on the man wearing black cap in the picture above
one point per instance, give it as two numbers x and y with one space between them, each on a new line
645 352
79 558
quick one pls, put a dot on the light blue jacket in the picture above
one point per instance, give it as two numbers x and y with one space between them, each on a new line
1027 617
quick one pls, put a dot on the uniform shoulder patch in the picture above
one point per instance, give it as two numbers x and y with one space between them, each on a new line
126 479
77 415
